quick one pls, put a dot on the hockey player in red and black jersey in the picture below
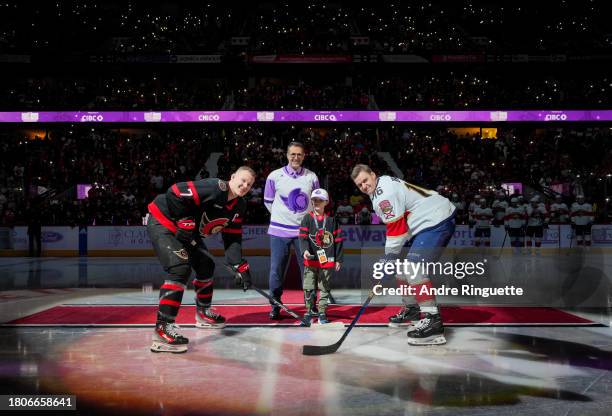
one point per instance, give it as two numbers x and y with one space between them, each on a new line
178 221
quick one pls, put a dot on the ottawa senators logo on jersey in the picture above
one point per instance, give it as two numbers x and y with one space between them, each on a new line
322 239
182 254
208 227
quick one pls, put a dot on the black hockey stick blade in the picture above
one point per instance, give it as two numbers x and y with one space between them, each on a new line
261 292
330 349
321 349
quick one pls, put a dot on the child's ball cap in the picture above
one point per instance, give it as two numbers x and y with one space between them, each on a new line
320 193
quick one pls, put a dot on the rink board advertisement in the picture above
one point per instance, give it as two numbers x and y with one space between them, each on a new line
118 238
552 277
53 238
122 239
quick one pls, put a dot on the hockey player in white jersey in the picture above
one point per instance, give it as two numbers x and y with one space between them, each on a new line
582 220
522 203
514 223
537 220
425 217
460 212
559 213
499 209
481 221
475 202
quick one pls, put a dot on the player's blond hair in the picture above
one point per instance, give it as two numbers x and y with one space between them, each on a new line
248 169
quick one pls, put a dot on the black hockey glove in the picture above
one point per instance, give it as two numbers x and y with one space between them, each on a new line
184 230
242 275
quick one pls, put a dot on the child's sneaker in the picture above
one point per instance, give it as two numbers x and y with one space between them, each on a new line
307 318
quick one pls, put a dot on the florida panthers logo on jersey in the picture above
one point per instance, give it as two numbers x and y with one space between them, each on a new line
208 227
322 239
386 208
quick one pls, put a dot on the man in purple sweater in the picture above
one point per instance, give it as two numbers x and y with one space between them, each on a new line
287 197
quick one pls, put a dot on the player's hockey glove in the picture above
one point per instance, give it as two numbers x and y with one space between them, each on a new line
242 275
184 230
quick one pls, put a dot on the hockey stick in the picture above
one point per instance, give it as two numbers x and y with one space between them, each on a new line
258 290
277 303
330 349
501 249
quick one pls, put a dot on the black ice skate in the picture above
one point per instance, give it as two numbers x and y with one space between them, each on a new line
406 316
206 318
428 331
166 339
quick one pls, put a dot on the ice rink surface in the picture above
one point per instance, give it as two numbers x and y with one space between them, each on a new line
260 370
